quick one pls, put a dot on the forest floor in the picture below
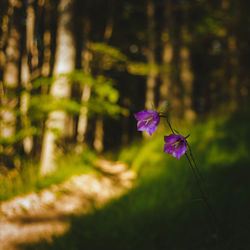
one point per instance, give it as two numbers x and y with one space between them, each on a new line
28 219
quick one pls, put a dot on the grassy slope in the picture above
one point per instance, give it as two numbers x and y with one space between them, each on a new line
164 211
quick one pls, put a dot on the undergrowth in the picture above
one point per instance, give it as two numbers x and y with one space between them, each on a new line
164 210
27 179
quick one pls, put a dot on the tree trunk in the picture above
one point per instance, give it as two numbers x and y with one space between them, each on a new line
26 71
99 130
151 77
86 89
5 19
24 104
64 63
231 89
83 118
98 142
3 41
46 62
234 67
186 74
167 55
11 70
232 52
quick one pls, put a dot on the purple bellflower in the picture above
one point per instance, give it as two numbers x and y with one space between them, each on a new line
175 145
147 121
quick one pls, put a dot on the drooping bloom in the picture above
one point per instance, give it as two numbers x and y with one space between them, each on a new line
147 121
175 145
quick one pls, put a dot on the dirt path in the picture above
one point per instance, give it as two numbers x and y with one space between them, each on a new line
29 218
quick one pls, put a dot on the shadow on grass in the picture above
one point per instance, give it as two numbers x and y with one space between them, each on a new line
162 212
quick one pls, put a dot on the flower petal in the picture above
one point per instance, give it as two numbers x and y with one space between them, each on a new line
143 115
181 150
147 120
171 138
151 129
141 126
168 148
175 145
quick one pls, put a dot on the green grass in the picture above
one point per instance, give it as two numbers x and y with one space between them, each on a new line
164 209
28 180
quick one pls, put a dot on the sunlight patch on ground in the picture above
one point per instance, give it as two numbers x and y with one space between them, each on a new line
30 218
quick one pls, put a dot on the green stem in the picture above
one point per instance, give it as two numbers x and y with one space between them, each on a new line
203 195
198 177
169 124
194 162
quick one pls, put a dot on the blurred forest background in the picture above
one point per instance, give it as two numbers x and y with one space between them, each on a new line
73 73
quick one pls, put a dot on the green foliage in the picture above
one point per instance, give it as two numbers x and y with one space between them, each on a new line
104 90
113 53
111 56
106 57
19 135
102 108
41 105
41 82
143 69
103 101
104 98
80 77
165 205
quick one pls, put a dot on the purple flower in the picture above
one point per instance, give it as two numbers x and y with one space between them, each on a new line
147 120
175 145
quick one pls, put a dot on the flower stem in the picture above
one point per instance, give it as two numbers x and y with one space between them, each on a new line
219 231
203 195
169 124
198 177
194 162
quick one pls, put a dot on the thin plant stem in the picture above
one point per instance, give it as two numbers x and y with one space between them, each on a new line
203 195
197 176
191 154
194 162
169 124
